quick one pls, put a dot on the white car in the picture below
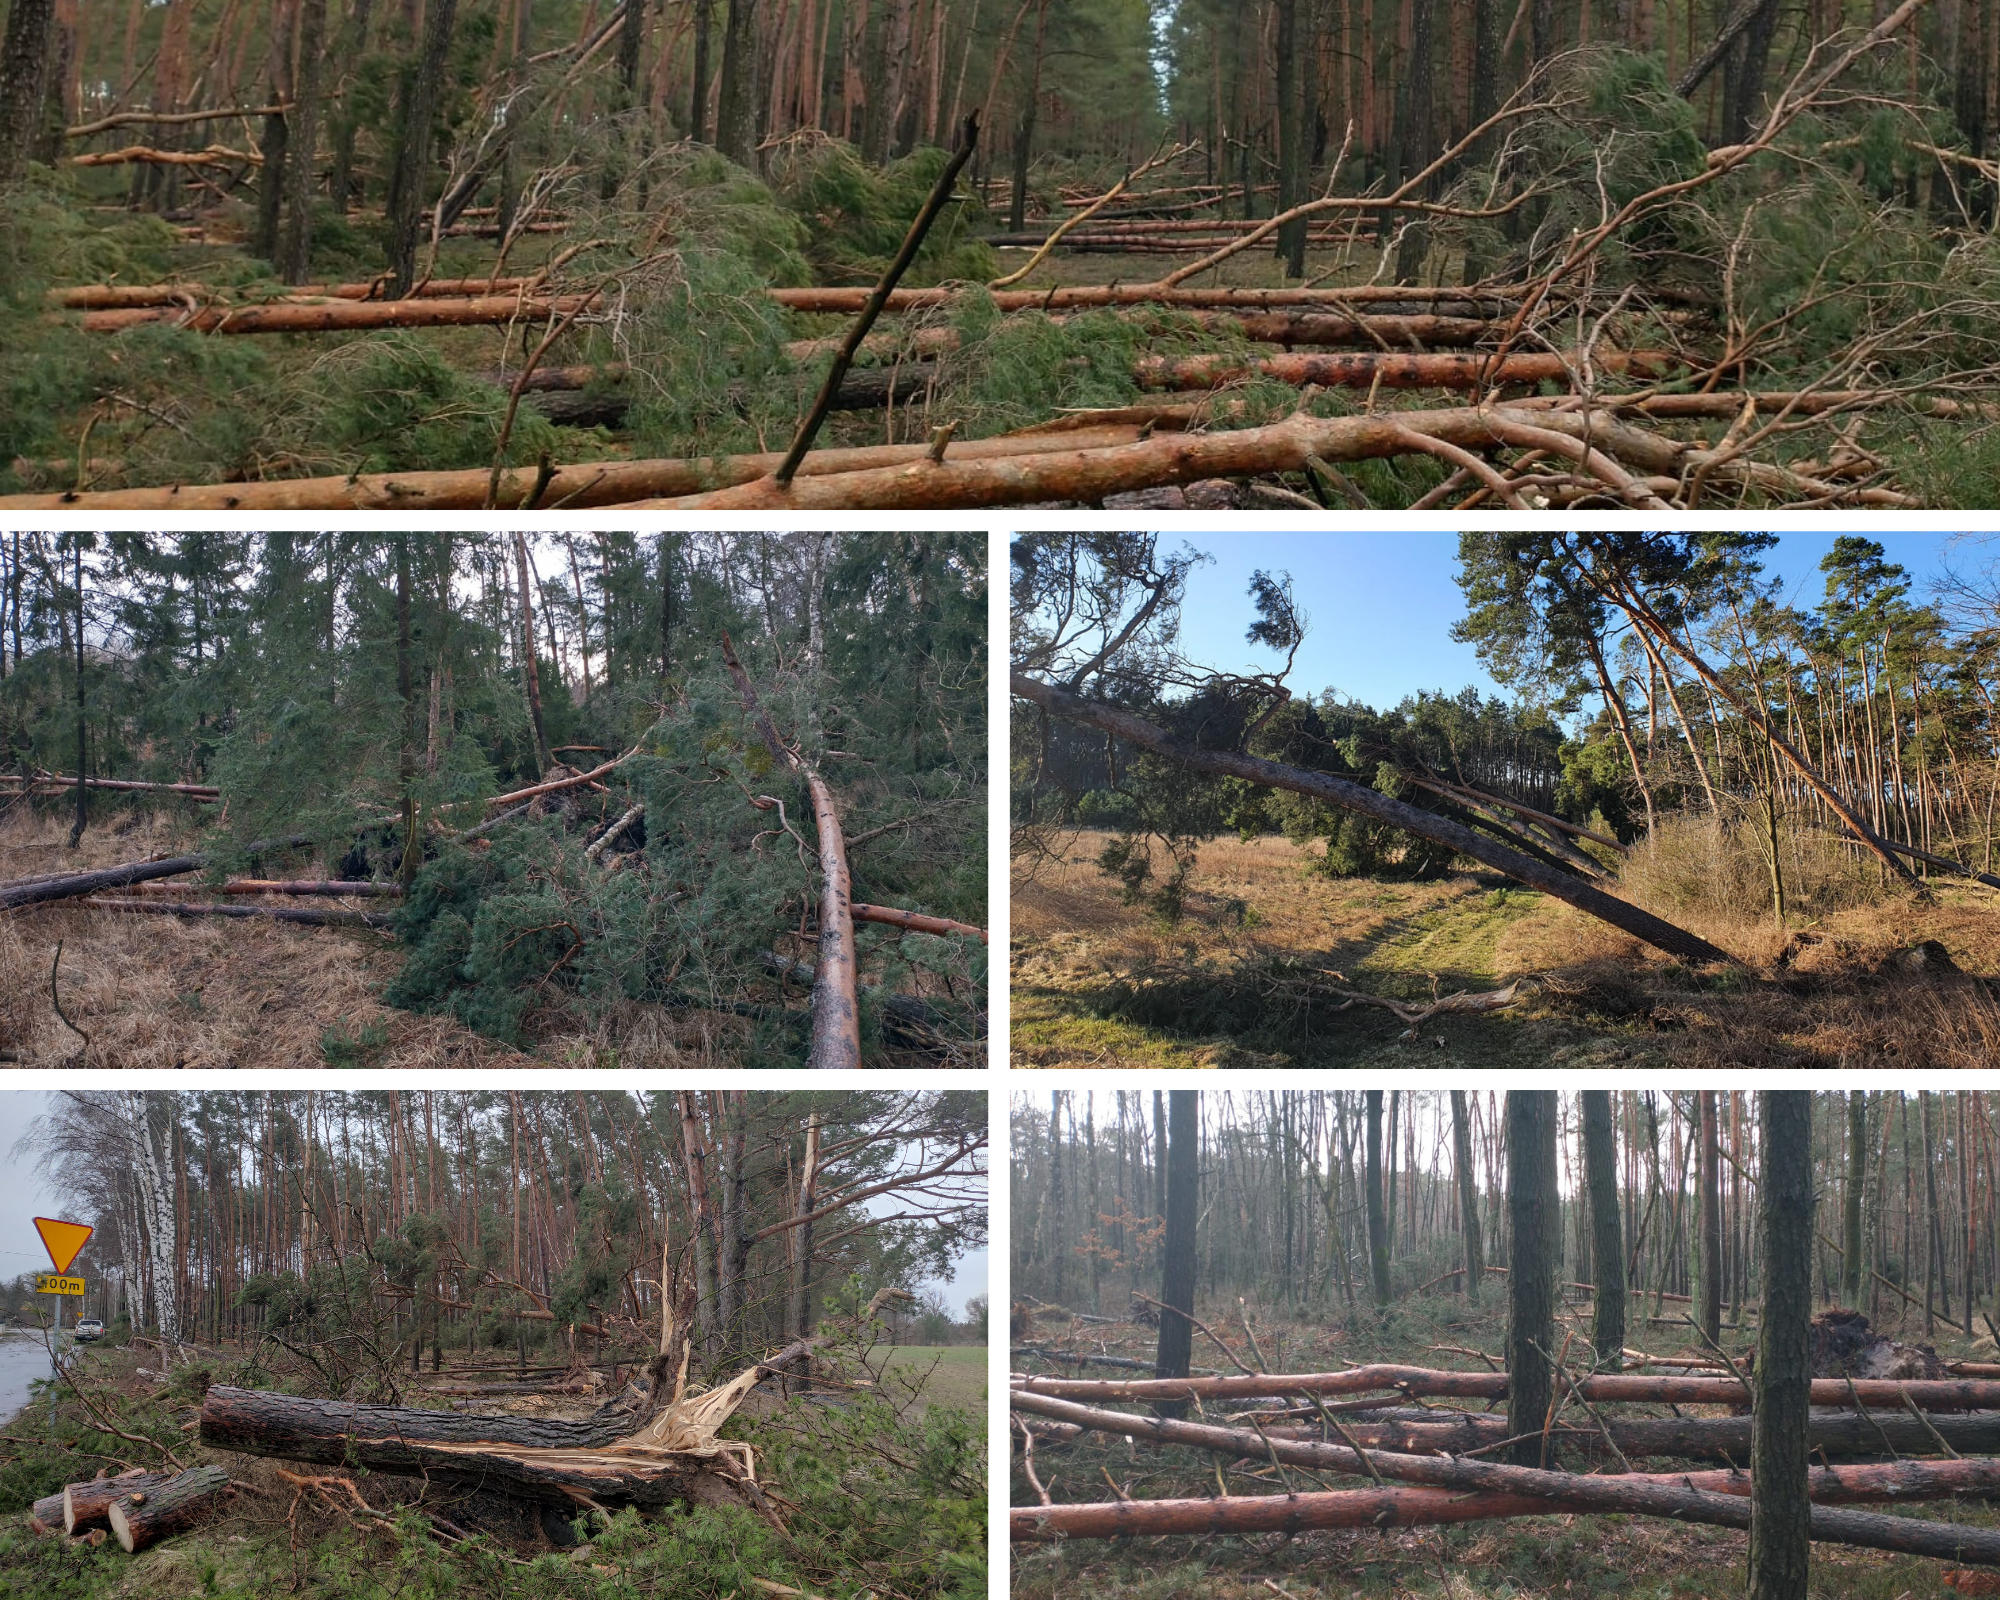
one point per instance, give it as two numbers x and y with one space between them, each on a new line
88 1330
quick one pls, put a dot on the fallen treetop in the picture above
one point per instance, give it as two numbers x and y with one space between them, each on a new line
1352 796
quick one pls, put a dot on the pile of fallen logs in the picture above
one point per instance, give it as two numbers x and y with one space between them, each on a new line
1422 1463
137 1508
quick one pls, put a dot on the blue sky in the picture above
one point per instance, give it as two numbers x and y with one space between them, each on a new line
1381 605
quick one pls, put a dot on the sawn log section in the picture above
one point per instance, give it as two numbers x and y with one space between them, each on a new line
1351 796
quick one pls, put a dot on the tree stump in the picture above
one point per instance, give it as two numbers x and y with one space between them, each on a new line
146 1517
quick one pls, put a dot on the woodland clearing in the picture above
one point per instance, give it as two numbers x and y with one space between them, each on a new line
1248 976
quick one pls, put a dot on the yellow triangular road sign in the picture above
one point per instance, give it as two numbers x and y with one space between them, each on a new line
62 1239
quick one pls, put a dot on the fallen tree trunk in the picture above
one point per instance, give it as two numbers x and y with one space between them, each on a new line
587 484
69 885
1292 1514
1928 1394
1077 297
915 921
309 915
216 155
146 1517
46 1514
340 316
336 886
119 296
1396 370
1616 460
194 791
126 119
1351 796
1684 1438
84 1506
836 1019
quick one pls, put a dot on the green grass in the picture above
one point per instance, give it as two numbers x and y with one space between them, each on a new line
951 1375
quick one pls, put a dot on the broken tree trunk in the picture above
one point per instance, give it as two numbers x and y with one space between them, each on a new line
1350 796
1614 458
46 1514
309 915
215 155
1927 1394
336 886
146 1517
70 885
585 485
836 1021
83 1506
915 921
1076 297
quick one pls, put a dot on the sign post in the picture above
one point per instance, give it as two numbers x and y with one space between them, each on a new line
64 1241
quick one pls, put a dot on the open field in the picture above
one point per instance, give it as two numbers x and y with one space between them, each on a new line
1243 979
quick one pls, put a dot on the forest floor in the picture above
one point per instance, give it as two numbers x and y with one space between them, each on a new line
161 991
856 1522
1561 1557
1244 979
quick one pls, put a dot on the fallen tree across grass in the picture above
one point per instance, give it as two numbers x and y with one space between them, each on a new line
1350 796
311 916
72 885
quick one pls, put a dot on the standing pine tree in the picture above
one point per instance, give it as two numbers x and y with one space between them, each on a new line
1781 1509
1177 1271
1534 1218
1607 1248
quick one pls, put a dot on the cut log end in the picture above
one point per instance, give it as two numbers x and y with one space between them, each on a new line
141 1520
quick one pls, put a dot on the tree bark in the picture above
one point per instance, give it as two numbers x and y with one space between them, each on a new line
406 760
1177 1258
314 918
1534 1217
1607 1248
1780 1525
1708 1193
408 310
84 1506
82 725
1378 1226
1852 1265
1468 1194
531 677
915 921
145 1517
736 104
1354 797
294 258
411 174
24 67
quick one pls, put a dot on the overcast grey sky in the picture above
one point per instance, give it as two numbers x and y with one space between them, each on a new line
26 1193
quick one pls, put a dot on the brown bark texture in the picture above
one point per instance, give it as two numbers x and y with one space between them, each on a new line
145 1517
84 1506
915 921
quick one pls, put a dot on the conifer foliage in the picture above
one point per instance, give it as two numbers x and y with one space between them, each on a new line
390 698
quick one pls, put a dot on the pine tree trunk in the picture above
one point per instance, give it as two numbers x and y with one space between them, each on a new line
411 174
295 247
531 677
274 142
24 68
1177 1274
354 44
1708 1289
1534 1216
698 99
736 103
83 1506
146 1517
1607 1248
1378 1222
1851 1281
82 724
1292 163
1781 1513
1468 1193
407 757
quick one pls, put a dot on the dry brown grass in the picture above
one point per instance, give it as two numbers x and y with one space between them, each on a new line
1093 979
157 991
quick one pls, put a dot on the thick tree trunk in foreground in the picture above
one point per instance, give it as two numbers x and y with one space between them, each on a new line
1534 1218
1468 1194
24 66
146 1517
1378 1226
84 1506
1780 1527
1182 1160
294 253
48 1511
1607 1246
1354 797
